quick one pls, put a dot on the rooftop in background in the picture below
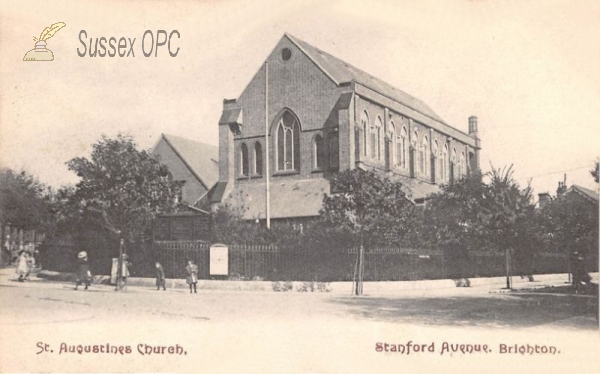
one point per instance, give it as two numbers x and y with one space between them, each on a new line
201 158
585 192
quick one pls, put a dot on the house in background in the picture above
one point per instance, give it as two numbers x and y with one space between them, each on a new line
581 192
323 115
584 193
193 163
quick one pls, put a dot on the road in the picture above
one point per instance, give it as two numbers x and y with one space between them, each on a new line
243 331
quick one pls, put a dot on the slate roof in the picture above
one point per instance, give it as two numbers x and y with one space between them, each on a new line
341 72
289 198
202 159
586 192
215 194
413 188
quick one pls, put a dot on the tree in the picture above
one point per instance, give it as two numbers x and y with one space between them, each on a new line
370 208
511 220
121 189
497 215
25 202
570 223
453 219
596 171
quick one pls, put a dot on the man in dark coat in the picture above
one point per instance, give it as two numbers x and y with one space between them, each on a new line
160 277
84 275
581 276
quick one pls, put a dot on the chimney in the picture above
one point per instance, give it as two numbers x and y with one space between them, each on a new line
474 133
473 127
543 199
562 187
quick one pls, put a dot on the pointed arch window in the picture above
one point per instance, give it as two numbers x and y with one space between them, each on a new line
318 154
401 148
287 143
462 165
334 150
258 159
444 168
415 152
453 165
373 140
393 145
244 160
424 156
378 137
364 126
434 152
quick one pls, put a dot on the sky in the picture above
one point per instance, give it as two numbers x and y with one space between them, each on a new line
527 69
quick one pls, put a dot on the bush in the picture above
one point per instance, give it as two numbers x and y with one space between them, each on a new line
282 286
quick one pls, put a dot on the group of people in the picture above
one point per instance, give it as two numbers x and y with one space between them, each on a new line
84 275
191 276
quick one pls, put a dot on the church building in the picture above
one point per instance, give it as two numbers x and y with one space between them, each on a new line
323 115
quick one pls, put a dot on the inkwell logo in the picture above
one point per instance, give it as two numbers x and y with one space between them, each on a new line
40 52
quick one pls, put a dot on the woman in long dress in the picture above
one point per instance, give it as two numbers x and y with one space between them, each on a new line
23 265
192 275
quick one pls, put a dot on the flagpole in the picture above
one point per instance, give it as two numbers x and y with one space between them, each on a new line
267 146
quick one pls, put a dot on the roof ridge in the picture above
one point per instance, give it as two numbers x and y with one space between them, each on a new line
187 139
409 101
181 147
591 193
296 40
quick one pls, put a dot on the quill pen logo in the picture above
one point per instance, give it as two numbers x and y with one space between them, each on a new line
40 52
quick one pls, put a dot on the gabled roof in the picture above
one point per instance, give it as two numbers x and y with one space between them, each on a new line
585 192
202 159
341 72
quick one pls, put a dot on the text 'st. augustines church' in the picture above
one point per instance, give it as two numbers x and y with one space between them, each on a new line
323 116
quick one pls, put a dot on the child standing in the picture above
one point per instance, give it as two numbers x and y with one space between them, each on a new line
160 277
23 265
84 275
192 275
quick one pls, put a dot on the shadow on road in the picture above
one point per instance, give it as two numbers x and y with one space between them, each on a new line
490 311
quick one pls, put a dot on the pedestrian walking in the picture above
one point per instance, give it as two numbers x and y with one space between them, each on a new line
160 277
192 275
84 275
22 265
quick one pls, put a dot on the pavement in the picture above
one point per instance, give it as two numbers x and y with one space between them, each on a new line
252 331
492 284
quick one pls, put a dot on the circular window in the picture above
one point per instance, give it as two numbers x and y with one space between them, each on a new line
286 54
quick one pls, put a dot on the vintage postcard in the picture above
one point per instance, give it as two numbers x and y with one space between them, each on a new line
299 186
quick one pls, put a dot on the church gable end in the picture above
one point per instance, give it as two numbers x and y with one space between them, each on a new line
295 82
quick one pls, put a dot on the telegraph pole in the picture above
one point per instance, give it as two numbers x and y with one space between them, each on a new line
267 172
